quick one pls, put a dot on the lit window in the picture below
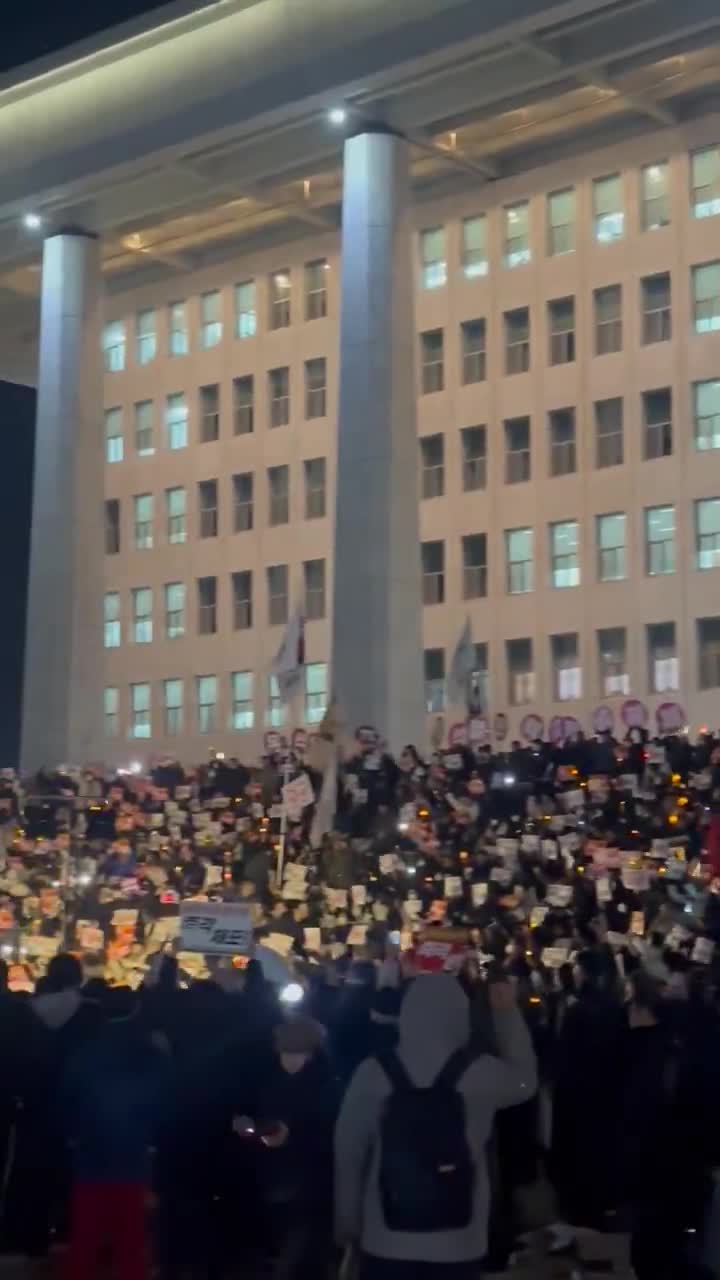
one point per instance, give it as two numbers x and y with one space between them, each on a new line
279 391
705 183
142 602
608 208
517 234
140 725
277 589
173 700
564 554
114 443
663 667
567 674
472 337
433 262
143 505
432 459
210 319
175 515
244 405
707 415
315 388
434 664
474 458
177 329
279 495
473 248
111 710
176 421
111 615
280 299
561 222
146 337
519 561
432 367
315 691
275 710
113 345
316 289
612 659
659 541
174 610
707 533
655 196
209 413
608 320
521 673
611 565
144 414
206 700
433 572
245 310
243 711
517 340
243 513
706 297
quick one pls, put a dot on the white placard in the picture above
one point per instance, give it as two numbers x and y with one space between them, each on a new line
453 886
559 895
603 890
702 952
388 863
216 928
213 876
637 923
537 915
43 948
357 935
412 908
507 848
313 939
336 899
501 875
297 795
359 894
124 918
280 943
548 848
479 893
554 957
530 843
572 800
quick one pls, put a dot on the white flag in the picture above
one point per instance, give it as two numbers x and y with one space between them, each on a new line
290 658
461 668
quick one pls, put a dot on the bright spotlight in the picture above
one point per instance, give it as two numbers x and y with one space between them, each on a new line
32 221
292 993
338 115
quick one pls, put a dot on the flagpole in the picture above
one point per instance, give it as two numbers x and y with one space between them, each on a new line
280 864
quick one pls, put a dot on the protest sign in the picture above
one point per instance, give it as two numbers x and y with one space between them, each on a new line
216 928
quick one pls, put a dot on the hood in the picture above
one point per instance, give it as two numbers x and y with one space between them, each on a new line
57 1007
434 1024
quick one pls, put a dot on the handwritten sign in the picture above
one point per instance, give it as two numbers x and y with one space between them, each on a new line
216 928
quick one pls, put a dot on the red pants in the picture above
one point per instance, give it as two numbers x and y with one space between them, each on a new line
107 1215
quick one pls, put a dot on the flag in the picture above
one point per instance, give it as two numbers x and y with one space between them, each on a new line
461 668
327 745
290 658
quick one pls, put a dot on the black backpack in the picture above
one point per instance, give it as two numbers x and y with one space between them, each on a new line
427 1174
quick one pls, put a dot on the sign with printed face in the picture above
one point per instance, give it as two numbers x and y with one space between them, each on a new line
634 714
670 717
457 734
532 727
216 928
603 719
478 730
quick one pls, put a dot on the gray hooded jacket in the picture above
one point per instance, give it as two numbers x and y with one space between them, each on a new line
434 1024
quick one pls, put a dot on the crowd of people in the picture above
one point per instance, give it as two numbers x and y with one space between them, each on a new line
480 995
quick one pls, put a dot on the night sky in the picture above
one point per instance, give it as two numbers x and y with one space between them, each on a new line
39 27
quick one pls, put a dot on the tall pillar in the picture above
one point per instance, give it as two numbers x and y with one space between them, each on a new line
62 708
377 619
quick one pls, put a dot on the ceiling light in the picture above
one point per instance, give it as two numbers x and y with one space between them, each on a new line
32 221
337 115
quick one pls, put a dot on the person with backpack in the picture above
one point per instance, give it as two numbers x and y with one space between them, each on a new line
412 1188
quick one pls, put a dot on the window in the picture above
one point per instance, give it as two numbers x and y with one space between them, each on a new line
111 615
517 234
612 659
659 540
210 319
657 423
433 572
316 289
656 308
707 533
432 365
277 587
245 310
243 711
433 262
708 641
434 665
315 691
206 695
280 299
517 450
113 343
145 337
608 208
655 196
517 340
479 679
243 502
175 513
315 388
114 445
561 222
474 458
706 397
567 675
174 610
706 297
564 554
177 329
608 319
705 182
111 709
279 391
314 469
563 460
275 714
314 576
432 457
663 669
143 521
472 336
519 561
176 421
142 605
279 494
242 600
173 707
112 526
561 323
209 413
474 559
243 405
610 533
207 606
521 675
140 724
609 432
473 246
208 508
144 414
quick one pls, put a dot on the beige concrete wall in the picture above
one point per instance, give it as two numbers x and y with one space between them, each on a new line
680 479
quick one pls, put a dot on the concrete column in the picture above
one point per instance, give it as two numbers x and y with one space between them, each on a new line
377 620
62 704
